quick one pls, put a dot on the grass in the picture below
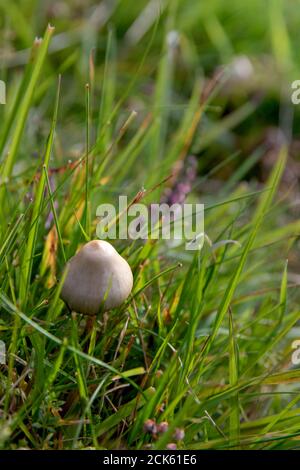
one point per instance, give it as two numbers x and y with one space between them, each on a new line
108 104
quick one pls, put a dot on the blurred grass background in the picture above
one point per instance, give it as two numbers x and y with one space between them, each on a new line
255 41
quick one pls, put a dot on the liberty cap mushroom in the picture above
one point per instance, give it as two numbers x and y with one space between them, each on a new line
97 278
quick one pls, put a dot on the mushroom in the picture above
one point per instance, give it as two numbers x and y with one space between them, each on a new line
97 279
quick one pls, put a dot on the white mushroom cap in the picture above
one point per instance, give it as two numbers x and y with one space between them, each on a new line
97 278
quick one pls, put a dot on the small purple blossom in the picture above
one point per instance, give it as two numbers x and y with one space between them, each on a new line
162 427
150 426
171 446
179 434
186 177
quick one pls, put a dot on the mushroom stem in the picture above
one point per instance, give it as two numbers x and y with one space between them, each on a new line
90 324
90 335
